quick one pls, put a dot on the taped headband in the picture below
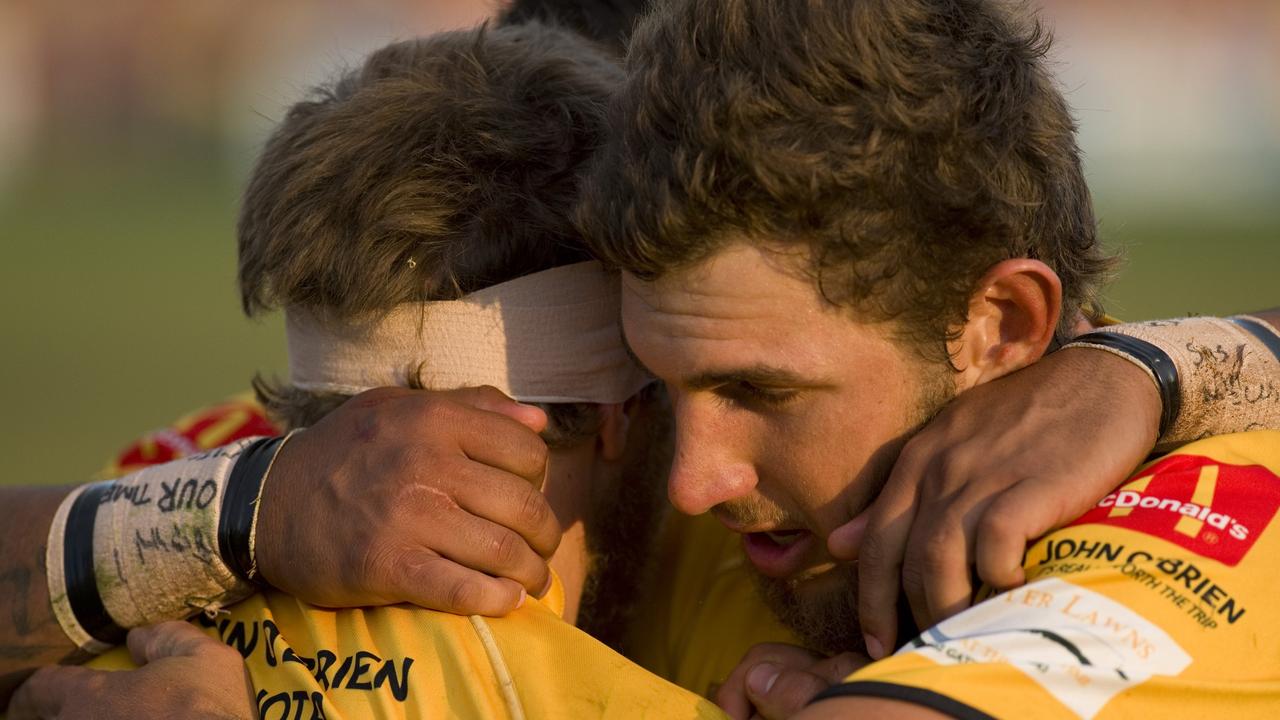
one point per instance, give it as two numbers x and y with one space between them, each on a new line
548 337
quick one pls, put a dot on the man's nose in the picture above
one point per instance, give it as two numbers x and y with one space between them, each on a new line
705 471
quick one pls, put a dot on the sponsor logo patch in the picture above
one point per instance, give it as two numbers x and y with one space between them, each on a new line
1213 509
1082 647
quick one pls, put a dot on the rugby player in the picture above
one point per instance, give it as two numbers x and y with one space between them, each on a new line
825 242
1096 354
414 221
441 434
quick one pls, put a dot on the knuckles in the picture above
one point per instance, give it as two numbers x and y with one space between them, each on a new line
436 414
534 510
465 596
380 562
793 689
937 552
506 549
997 524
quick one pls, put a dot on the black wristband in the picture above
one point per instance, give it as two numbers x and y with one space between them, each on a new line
77 567
239 507
1268 338
1155 359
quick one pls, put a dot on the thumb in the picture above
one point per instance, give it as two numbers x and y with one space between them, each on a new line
493 400
168 639
778 692
43 694
844 541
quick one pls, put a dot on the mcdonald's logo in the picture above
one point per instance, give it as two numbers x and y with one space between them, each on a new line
1216 510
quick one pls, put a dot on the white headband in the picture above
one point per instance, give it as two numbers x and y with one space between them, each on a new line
548 337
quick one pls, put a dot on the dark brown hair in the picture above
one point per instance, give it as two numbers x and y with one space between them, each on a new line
908 144
441 166
608 22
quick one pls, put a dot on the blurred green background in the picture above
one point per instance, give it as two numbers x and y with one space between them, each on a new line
120 309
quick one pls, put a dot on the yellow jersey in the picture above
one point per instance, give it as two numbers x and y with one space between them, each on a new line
405 662
402 661
703 611
1156 603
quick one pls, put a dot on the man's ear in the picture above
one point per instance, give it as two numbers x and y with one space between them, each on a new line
1013 314
615 423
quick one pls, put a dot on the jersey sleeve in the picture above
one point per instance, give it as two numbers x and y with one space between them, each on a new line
1158 602
233 419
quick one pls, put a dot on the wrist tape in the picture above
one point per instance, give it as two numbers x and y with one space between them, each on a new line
1215 376
160 544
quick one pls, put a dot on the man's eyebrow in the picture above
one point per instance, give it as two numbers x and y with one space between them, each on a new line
759 374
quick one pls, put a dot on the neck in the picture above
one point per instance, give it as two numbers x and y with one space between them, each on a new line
569 473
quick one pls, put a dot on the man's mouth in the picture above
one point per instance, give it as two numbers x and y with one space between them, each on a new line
778 553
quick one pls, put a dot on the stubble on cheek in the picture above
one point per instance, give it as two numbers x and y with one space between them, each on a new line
821 604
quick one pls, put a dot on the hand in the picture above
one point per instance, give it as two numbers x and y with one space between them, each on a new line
775 680
1001 465
182 673
402 495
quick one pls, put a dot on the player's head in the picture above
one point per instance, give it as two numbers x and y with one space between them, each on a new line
441 167
831 216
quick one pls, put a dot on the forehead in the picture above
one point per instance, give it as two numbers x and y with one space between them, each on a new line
744 305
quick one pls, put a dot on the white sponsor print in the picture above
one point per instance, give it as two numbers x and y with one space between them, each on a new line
1080 646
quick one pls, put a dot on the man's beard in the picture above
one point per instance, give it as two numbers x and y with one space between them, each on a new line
826 618
827 621
621 530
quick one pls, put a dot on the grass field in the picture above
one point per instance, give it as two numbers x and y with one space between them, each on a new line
120 310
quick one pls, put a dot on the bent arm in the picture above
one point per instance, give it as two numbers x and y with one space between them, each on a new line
29 634
312 548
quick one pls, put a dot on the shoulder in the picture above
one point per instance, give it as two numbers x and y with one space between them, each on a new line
235 418
1142 606
403 661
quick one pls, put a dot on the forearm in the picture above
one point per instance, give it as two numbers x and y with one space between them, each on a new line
1212 376
138 550
29 634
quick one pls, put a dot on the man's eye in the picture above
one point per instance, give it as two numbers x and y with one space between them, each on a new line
751 395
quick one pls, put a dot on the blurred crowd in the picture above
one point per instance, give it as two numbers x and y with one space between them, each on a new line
1159 85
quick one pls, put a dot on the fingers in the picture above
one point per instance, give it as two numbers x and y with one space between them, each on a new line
45 692
888 527
511 502
493 400
438 583
1020 514
493 549
777 692
733 696
500 442
844 541
169 639
935 570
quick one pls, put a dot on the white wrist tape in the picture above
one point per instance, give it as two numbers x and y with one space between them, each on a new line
1228 373
143 549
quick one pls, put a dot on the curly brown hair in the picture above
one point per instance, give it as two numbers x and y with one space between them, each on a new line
441 166
909 144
